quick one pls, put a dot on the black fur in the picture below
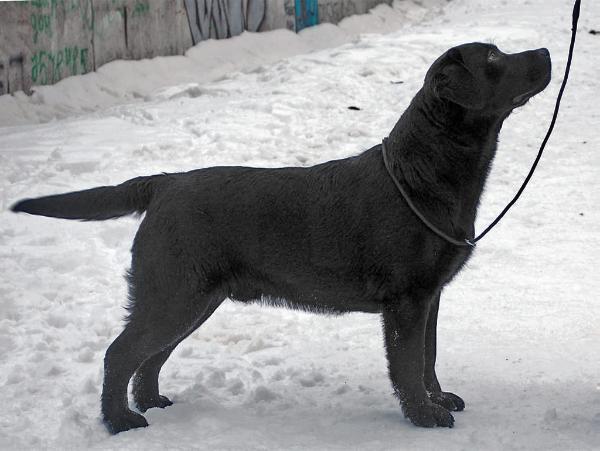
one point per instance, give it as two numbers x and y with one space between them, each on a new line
104 202
332 238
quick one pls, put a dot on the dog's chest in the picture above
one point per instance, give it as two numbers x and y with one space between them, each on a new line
450 260
432 267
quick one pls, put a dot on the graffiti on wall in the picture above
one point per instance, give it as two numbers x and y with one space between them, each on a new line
47 40
11 74
48 67
48 64
223 18
44 13
40 24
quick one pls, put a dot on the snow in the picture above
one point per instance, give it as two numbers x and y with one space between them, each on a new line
518 329
126 81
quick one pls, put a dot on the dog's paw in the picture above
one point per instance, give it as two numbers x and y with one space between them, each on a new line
427 414
144 404
124 421
448 400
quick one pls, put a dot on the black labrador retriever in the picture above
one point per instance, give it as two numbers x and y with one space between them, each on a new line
333 238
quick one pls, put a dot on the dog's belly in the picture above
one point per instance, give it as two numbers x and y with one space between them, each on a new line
323 304
335 294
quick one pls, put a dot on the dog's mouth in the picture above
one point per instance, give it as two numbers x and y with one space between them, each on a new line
545 77
522 99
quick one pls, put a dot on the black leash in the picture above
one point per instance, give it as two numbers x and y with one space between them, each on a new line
471 242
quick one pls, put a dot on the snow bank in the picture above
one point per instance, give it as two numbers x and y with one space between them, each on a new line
130 81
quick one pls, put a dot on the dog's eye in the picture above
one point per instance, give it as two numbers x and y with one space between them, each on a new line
492 56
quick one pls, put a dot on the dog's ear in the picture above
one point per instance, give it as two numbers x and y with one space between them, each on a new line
454 82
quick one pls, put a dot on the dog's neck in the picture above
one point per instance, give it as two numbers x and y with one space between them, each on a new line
442 154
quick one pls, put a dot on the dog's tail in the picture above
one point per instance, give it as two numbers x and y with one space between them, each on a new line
96 204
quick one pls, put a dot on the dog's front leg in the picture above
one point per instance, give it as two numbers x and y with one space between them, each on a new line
404 329
449 400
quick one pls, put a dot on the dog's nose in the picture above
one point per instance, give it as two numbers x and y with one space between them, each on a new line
544 51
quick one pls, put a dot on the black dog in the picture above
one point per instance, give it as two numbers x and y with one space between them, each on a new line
333 238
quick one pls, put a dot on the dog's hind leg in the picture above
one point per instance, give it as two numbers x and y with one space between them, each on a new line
448 400
165 307
134 345
145 382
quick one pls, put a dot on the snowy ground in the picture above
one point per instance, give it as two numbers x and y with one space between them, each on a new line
519 329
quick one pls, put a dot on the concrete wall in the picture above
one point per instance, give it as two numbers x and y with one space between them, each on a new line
135 29
40 42
44 41
333 11
279 14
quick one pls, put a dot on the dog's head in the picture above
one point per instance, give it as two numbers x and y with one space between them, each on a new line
480 77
